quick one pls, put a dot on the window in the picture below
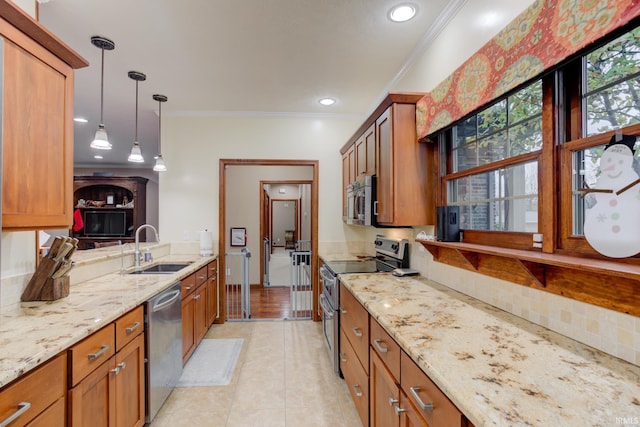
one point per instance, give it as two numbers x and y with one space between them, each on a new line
612 85
610 101
491 170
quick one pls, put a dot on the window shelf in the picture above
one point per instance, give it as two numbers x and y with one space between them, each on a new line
584 279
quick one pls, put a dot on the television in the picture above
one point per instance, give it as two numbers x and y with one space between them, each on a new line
100 223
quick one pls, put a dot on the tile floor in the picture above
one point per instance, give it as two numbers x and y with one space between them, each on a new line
283 379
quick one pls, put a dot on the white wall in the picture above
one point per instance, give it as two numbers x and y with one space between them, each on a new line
193 146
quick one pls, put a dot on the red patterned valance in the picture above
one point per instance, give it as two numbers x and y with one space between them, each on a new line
543 35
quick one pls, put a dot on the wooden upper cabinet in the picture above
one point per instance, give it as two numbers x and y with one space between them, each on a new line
370 144
386 145
37 124
405 186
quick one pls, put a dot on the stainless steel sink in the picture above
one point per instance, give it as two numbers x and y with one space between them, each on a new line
162 268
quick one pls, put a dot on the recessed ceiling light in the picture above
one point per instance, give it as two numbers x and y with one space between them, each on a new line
402 12
80 120
97 156
327 101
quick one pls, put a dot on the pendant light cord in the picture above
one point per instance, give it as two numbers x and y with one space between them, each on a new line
160 127
136 141
102 89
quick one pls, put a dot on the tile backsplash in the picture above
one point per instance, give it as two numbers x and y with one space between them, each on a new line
610 331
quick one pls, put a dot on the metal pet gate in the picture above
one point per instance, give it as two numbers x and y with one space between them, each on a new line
238 299
237 283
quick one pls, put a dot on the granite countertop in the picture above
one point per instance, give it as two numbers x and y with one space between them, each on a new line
499 369
33 332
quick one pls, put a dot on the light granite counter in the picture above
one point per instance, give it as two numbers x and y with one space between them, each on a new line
33 332
499 369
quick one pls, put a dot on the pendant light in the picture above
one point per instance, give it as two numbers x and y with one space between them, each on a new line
101 141
160 166
136 154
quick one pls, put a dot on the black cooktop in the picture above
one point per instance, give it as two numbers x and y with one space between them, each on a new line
365 265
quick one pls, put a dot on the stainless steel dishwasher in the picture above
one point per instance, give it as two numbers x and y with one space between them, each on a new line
163 314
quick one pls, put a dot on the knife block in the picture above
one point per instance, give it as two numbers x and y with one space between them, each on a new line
53 289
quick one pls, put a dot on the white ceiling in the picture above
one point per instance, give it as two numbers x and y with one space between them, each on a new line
232 57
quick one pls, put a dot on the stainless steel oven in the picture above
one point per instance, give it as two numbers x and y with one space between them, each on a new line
390 254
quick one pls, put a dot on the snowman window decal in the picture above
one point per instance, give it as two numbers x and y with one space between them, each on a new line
611 224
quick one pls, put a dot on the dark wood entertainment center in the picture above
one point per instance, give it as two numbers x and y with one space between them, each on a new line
107 204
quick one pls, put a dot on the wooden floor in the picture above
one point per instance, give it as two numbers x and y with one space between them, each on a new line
266 303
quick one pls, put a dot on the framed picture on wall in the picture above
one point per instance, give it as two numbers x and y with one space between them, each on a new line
238 236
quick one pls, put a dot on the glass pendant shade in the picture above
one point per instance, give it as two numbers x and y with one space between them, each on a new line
101 141
159 166
136 154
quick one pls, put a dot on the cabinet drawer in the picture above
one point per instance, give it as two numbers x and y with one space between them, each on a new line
354 319
355 377
386 347
91 352
129 326
53 416
40 388
188 285
422 391
212 268
201 276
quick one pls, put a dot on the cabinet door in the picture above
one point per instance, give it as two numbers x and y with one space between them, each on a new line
92 401
200 313
37 135
361 157
130 384
212 296
188 335
384 142
370 148
384 395
408 414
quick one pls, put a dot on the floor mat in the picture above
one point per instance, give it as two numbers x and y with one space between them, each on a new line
212 363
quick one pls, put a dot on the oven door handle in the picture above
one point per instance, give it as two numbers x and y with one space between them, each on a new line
326 276
326 307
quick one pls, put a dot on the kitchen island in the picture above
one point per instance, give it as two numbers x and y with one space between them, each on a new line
499 369
34 332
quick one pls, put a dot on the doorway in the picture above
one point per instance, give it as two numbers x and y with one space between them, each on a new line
239 208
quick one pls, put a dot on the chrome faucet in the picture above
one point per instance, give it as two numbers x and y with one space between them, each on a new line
137 255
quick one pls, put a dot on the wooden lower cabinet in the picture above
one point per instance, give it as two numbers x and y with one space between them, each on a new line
199 306
384 395
356 378
43 389
112 393
194 321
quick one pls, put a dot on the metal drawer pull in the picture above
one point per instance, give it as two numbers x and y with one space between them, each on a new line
202 277
356 387
22 408
342 310
197 297
399 410
132 328
356 331
392 401
381 349
342 358
119 367
188 288
98 353
421 404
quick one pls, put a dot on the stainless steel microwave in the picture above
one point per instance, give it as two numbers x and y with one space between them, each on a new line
361 201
